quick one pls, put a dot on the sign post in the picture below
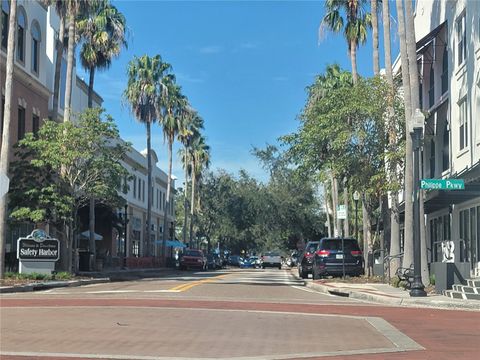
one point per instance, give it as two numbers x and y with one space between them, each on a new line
37 253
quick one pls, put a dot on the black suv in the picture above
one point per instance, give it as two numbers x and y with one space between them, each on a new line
305 260
329 258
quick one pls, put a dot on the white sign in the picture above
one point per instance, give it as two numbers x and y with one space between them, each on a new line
341 212
448 251
4 184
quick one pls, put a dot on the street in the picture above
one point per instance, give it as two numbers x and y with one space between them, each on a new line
254 314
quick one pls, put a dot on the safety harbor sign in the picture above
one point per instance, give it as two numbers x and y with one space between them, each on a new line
38 247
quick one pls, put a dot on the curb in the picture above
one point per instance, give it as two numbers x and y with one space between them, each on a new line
51 285
395 301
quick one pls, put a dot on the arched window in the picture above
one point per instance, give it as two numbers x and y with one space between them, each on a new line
21 27
5 12
431 89
445 71
36 39
446 148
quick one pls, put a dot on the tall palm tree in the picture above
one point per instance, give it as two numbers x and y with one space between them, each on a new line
102 30
7 121
61 10
142 93
408 169
175 105
392 139
354 27
190 128
376 60
200 160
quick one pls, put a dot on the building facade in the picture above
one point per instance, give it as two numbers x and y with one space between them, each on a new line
448 53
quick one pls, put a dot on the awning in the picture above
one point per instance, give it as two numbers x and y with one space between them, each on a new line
172 243
86 235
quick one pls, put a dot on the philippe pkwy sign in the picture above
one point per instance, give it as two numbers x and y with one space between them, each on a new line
38 247
442 184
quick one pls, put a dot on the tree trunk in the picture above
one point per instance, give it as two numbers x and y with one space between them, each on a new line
392 138
365 233
346 224
90 86
327 205
149 189
167 207
185 200
353 60
376 61
336 222
7 122
192 203
408 171
58 69
70 60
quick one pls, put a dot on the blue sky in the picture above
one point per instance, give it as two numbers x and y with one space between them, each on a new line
243 65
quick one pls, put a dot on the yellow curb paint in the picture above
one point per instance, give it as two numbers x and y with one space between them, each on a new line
185 287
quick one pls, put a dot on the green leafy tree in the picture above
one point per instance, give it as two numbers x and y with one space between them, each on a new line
62 167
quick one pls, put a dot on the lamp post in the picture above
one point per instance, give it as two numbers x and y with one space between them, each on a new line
356 197
416 131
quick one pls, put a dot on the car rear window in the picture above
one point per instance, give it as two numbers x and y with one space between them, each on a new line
311 247
192 253
271 253
336 244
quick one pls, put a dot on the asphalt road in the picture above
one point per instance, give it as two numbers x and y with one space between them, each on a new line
244 314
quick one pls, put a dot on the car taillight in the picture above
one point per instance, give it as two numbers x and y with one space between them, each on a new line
356 253
308 255
323 253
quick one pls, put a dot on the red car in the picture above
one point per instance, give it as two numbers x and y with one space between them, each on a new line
193 259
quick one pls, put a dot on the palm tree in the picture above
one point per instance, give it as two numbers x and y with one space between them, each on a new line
7 121
392 138
175 105
61 10
355 29
102 30
190 128
374 12
200 160
142 93
408 169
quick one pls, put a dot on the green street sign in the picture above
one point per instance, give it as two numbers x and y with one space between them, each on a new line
442 184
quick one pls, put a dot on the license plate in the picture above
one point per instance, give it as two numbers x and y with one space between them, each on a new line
339 256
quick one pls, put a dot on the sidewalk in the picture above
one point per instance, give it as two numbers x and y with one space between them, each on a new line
388 295
105 276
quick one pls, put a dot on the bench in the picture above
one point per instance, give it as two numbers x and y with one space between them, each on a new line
406 274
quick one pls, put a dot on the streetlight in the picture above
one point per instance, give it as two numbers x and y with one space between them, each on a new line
416 131
356 197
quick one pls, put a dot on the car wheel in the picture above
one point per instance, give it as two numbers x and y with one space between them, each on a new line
280 267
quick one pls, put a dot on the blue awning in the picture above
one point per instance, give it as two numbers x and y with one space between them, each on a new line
172 243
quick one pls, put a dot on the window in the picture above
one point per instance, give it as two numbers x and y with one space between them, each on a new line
143 190
36 38
445 71
1 117
63 84
21 123
431 90
446 148
21 23
463 124
5 19
420 93
139 189
461 39
134 186
35 125
432 158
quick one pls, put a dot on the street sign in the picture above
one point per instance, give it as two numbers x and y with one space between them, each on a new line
442 184
341 212
4 184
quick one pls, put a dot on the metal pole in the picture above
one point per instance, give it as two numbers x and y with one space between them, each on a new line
125 238
343 254
417 288
356 220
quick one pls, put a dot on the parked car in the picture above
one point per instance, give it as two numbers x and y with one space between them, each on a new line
256 262
234 260
193 259
305 260
329 258
294 258
271 259
211 265
247 263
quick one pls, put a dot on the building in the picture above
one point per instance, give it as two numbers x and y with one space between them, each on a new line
448 53
33 83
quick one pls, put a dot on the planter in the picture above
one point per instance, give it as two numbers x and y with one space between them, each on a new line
447 274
